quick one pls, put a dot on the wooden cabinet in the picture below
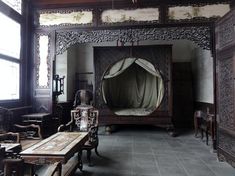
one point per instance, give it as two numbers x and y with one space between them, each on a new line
225 70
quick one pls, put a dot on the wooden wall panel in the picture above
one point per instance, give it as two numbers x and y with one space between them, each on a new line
225 46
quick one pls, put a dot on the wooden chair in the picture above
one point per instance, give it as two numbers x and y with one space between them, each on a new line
204 122
25 135
83 97
29 134
85 118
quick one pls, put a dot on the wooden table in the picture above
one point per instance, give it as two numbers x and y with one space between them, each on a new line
59 147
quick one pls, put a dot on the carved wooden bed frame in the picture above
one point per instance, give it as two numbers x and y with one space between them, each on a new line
160 56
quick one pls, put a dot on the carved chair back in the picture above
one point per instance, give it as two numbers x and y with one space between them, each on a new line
82 116
83 97
85 118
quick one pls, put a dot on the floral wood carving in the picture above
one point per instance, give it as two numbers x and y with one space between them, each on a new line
199 35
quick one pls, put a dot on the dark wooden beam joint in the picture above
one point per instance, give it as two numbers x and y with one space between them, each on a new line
163 14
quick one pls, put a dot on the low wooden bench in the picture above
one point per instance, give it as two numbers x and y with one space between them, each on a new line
204 122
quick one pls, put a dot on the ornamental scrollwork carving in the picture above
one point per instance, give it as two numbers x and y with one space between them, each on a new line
226 103
199 35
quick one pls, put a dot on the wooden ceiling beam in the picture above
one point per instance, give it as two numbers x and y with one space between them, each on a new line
116 3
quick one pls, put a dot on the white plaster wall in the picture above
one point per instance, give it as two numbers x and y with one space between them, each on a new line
202 65
85 55
66 65
61 70
71 71
181 49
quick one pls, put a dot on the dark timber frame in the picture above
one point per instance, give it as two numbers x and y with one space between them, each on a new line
23 20
200 31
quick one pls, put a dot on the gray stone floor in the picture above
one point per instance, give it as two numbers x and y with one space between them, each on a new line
150 151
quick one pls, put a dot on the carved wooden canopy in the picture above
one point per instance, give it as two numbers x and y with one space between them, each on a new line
199 35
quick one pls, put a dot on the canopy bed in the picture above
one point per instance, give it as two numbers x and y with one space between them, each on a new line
136 89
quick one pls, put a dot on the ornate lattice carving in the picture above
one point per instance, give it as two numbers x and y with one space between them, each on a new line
226 32
85 114
199 35
226 99
223 158
86 119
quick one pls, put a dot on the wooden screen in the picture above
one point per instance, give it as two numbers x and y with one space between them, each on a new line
225 59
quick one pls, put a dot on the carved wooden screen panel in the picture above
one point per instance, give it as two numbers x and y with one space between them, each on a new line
225 46
159 56
42 73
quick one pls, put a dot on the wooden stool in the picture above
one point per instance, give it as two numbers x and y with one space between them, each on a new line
204 122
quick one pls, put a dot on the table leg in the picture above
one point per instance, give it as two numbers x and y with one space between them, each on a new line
80 164
32 170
